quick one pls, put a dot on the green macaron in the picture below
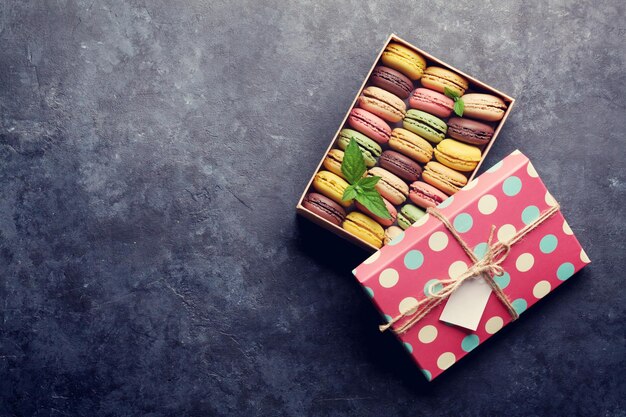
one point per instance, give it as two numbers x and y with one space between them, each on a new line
426 125
370 149
408 215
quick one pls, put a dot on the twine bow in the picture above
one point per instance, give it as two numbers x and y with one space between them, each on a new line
489 266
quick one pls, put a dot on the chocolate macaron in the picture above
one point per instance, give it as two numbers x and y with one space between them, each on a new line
469 131
391 80
324 207
400 165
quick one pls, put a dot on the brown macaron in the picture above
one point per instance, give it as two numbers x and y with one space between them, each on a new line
402 166
470 131
324 207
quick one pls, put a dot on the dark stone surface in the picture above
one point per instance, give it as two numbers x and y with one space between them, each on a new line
152 153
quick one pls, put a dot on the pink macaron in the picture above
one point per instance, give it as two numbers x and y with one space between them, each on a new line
380 220
425 195
431 102
370 125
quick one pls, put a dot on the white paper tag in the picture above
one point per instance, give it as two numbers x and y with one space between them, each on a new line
467 304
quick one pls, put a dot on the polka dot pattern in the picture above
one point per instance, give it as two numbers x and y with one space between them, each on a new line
372 258
503 280
565 271
438 241
548 244
407 305
520 305
388 278
473 183
530 214
408 347
369 292
512 186
457 268
566 229
413 259
433 285
463 223
494 324
525 262
396 239
487 204
480 250
506 232
470 342
550 200
446 360
427 374
530 169
584 257
427 334
541 289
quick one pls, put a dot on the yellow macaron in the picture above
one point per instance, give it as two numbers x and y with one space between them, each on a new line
404 59
457 155
437 78
364 228
332 186
333 162
446 179
411 145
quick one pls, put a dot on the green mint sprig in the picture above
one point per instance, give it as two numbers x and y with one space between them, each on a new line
459 106
360 188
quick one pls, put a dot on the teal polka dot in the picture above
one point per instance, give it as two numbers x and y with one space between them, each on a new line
512 186
469 342
445 203
413 259
503 280
530 214
427 374
436 287
520 305
388 318
396 239
565 271
495 167
408 347
463 222
369 291
480 250
548 243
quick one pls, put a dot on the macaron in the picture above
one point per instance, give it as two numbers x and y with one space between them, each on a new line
426 125
445 179
431 102
391 233
324 207
437 78
411 145
404 59
384 222
382 103
333 161
391 80
457 155
408 215
484 107
400 165
469 131
332 186
370 149
425 195
370 125
364 228
389 186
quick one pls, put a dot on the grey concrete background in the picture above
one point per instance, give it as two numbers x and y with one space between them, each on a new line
151 155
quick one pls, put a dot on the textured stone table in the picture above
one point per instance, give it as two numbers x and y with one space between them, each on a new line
152 153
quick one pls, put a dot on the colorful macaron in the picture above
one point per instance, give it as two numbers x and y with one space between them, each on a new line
425 195
391 80
370 149
411 145
333 162
445 179
400 165
405 60
484 107
457 155
324 207
370 125
425 125
391 233
408 215
383 104
332 186
383 222
364 228
431 102
469 131
390 187
437 78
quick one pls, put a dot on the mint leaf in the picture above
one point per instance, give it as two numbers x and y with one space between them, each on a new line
459 107
374 203
451 93
353 165
368 183
349 194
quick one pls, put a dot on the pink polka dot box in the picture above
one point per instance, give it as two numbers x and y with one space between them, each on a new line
445 289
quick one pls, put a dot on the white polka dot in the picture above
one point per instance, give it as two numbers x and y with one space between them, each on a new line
473 183
516 152
506 232
446 360
494 324
487 204
438 241
531 170
427 334
584 257
422 220
541 289
566 229
524 262
407 304
550 200
456 269
372 258
388 278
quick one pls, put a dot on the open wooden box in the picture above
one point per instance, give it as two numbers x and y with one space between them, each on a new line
475 86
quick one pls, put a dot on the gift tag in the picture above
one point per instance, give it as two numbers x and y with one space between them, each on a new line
467 304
